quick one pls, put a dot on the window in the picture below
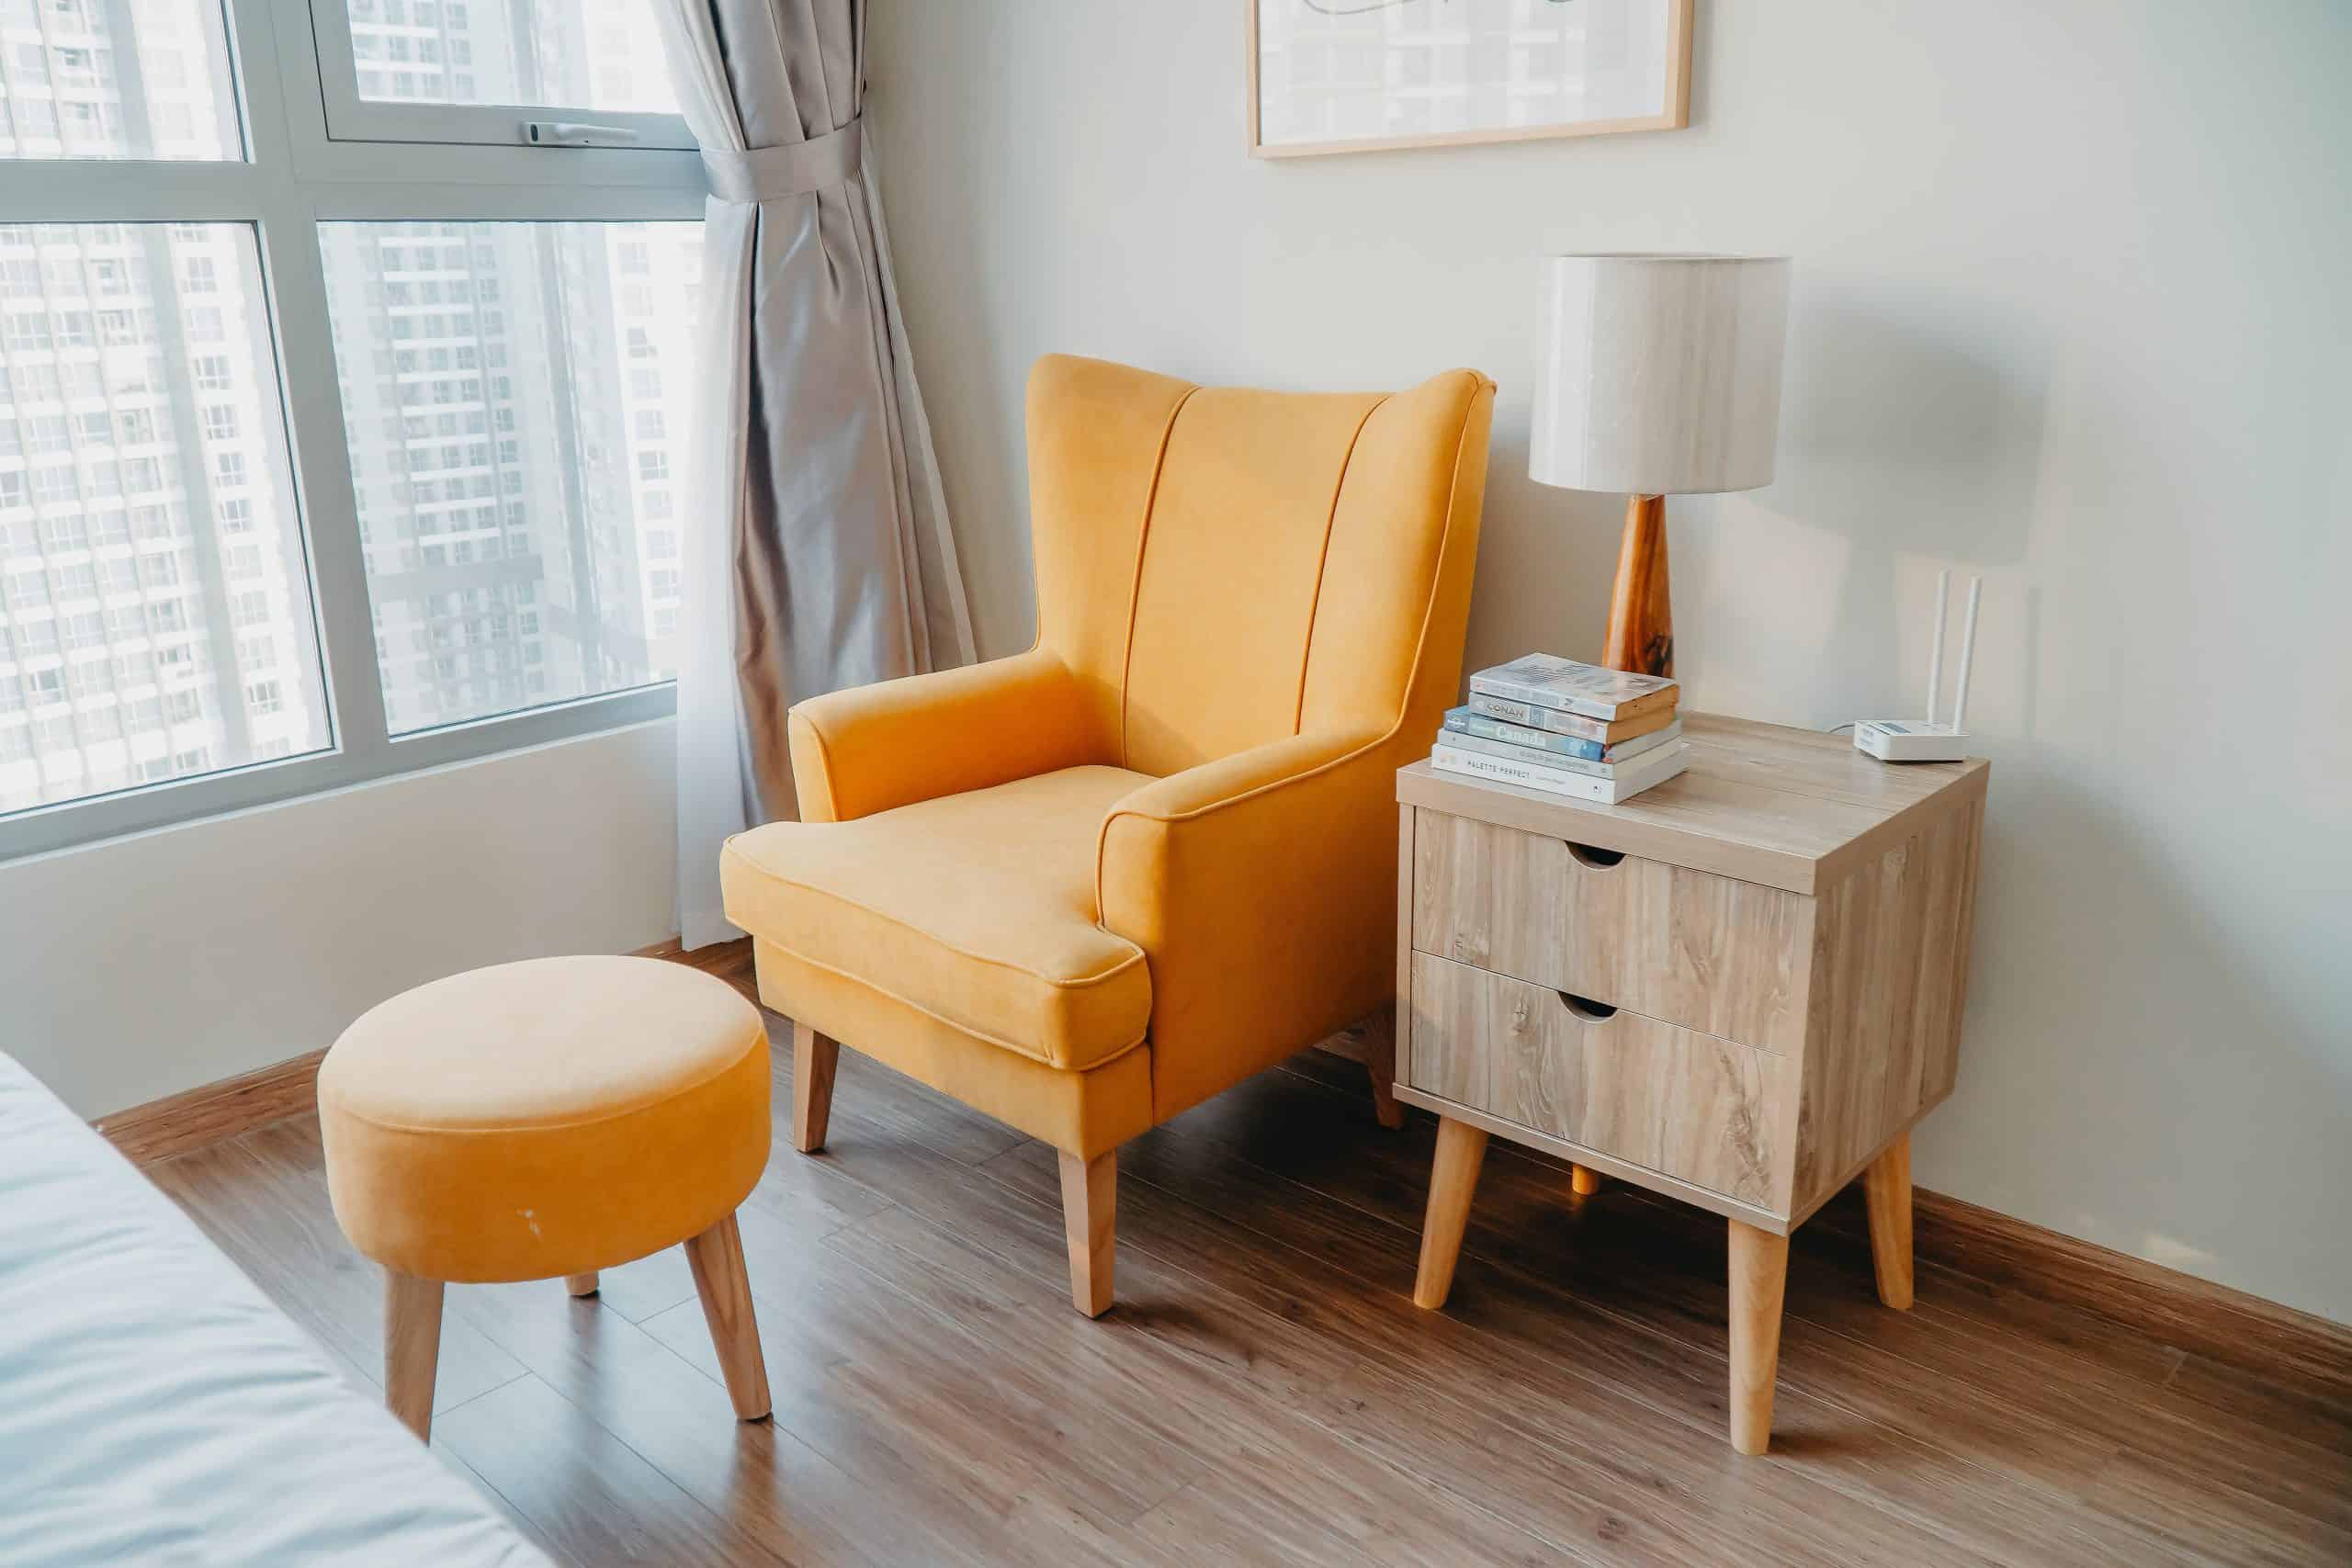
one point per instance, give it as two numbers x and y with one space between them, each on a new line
498 69
574 532
472 444
71 86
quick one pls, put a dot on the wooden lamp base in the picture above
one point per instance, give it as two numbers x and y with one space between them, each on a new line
1641 618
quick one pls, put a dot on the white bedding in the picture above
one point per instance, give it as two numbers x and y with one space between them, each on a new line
156 1409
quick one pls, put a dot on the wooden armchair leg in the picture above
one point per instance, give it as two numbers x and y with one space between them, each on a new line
1089 1211
1380 1065
581 1284
814 1058
412 1349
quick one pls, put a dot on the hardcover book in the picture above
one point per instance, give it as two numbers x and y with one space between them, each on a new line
1469 721
1527 714
1643 772
1547 680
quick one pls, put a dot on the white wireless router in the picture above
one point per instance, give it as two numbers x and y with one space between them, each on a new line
1917 741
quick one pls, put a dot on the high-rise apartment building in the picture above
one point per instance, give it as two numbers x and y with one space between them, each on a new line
154 602
509 395
506 388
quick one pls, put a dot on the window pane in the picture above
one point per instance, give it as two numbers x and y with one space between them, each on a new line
516 508
155 616
596 54
116 79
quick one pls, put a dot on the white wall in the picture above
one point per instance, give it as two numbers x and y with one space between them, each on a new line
148 965
2072 309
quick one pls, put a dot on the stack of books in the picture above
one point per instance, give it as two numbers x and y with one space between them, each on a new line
1575 729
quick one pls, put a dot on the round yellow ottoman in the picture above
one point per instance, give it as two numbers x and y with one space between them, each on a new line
545 1120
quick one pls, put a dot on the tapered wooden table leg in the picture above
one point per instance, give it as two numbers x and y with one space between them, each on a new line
1887 1187
1453 1178
1584 1181
1090 1224
1380 1065
814 1058
1759 1275
412 1349
716 1258
581 1284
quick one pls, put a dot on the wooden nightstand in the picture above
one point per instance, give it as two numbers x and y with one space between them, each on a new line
1739 988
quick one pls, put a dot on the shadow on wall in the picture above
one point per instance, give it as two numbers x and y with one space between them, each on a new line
1912 442
2117 980
1909 444
1895 445
1545 558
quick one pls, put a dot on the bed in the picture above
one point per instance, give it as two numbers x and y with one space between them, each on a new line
156 1409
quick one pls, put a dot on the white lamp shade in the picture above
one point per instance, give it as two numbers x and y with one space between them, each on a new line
1658 375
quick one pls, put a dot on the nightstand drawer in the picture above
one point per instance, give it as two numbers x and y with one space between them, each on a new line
1695 1107
1710 953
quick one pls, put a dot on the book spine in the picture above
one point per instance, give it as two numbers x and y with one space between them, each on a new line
1542 697
1536 757
1454 759
1487 727
1540 718
1633 747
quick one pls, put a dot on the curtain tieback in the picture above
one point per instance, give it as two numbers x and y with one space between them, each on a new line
792 168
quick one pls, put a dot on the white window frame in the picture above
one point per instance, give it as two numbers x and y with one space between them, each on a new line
351 118
298 176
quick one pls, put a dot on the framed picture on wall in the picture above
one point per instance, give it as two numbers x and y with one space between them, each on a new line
1360 76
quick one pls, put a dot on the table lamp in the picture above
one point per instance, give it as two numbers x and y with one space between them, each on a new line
1657 375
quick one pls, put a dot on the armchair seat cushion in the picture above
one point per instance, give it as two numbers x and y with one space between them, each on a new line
976 909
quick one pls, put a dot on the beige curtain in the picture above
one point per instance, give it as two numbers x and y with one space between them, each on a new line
818 553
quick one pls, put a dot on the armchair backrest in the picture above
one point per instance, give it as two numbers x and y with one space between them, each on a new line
1222 566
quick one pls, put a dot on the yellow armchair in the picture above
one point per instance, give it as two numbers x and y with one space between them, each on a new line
1087 888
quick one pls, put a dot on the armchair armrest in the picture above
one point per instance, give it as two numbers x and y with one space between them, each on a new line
1262 889
868 749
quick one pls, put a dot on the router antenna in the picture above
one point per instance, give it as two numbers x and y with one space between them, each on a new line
1967 654
1935 650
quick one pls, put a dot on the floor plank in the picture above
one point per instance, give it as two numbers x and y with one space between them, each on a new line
1265 1392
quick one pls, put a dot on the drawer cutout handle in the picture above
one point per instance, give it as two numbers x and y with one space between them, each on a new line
1594 855
1587 1009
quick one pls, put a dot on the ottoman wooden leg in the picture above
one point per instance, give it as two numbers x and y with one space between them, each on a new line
716 1258
581 1284
412 1349
814 1058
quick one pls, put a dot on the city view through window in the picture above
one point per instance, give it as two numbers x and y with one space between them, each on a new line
152 583
508 392
513 397
598 55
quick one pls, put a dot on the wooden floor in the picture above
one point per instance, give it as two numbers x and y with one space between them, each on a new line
1265 1391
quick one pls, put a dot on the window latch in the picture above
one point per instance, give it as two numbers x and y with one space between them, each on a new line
572 133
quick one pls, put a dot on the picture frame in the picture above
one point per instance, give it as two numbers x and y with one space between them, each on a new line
1651 93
